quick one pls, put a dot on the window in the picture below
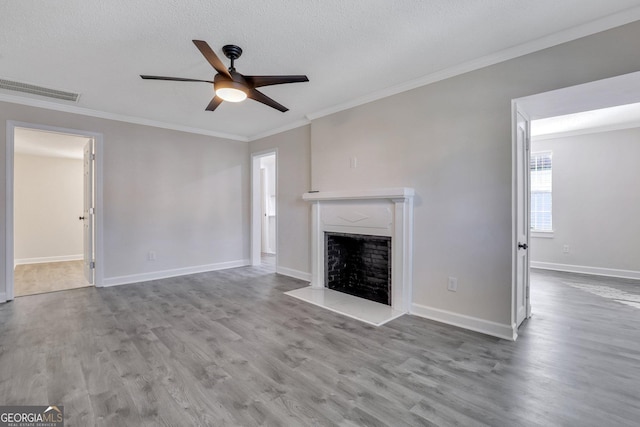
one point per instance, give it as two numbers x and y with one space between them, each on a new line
540 167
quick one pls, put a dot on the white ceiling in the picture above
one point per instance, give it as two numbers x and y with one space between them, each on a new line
352 51
48 144
618 117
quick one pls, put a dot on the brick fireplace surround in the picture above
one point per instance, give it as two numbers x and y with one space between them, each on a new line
359 265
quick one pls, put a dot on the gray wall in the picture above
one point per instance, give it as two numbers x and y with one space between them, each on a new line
596 201
451 141
293 214
182 195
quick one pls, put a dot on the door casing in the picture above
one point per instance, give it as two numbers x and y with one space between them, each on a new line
521 234
88 213
9 199
256 205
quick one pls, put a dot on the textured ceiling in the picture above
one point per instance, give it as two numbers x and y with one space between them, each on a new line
351 50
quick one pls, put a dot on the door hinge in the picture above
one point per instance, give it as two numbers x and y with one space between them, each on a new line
92 156
92 264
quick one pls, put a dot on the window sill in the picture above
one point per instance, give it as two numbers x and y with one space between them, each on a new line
542 234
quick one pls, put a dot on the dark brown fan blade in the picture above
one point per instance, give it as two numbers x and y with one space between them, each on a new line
258 81
176 79
214 103
211 56
261 97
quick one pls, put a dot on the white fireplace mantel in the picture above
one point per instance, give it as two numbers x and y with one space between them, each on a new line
381 212
376 193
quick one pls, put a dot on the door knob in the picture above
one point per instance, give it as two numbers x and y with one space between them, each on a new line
523 246
81 218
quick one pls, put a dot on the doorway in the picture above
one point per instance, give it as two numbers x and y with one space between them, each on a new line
264 208
616 91
53 224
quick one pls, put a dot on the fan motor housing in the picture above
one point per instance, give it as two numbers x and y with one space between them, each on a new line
238 82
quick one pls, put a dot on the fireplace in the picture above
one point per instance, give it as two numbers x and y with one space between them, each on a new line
372 223
359 265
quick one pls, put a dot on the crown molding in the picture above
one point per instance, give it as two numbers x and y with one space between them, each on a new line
118 117
593 27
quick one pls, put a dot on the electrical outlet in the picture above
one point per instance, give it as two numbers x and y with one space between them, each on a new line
453 284
151 256
565 249
353 162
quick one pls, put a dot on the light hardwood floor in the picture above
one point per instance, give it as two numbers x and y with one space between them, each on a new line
228 348
30 279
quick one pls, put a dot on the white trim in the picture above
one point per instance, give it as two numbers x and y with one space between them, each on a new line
587 131
365 194
602 24
3 297
256 215
46 259
582 269
542 234
98 242
8 260
487 327
514 208
165 274
118 117
296 274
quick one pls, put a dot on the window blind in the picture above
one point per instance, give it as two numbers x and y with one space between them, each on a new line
541 191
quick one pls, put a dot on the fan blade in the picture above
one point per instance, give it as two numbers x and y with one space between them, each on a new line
175 79
261 97
214 103
258 81
211 56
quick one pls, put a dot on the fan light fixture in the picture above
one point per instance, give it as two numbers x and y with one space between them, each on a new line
230 91
231 86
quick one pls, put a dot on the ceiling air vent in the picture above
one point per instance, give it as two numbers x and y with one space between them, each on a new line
38 90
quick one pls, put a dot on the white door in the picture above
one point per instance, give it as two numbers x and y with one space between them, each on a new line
88 212
522 307
264 191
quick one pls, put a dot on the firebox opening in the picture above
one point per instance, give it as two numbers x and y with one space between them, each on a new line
359 265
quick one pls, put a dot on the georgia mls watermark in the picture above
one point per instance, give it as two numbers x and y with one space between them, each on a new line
32 416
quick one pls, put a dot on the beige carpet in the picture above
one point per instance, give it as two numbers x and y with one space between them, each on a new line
30 279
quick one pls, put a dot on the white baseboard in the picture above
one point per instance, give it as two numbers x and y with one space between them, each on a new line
42 260
164 274
3 297
296 274
487 327
598 271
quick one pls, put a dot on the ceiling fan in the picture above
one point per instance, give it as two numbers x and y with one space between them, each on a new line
229 85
